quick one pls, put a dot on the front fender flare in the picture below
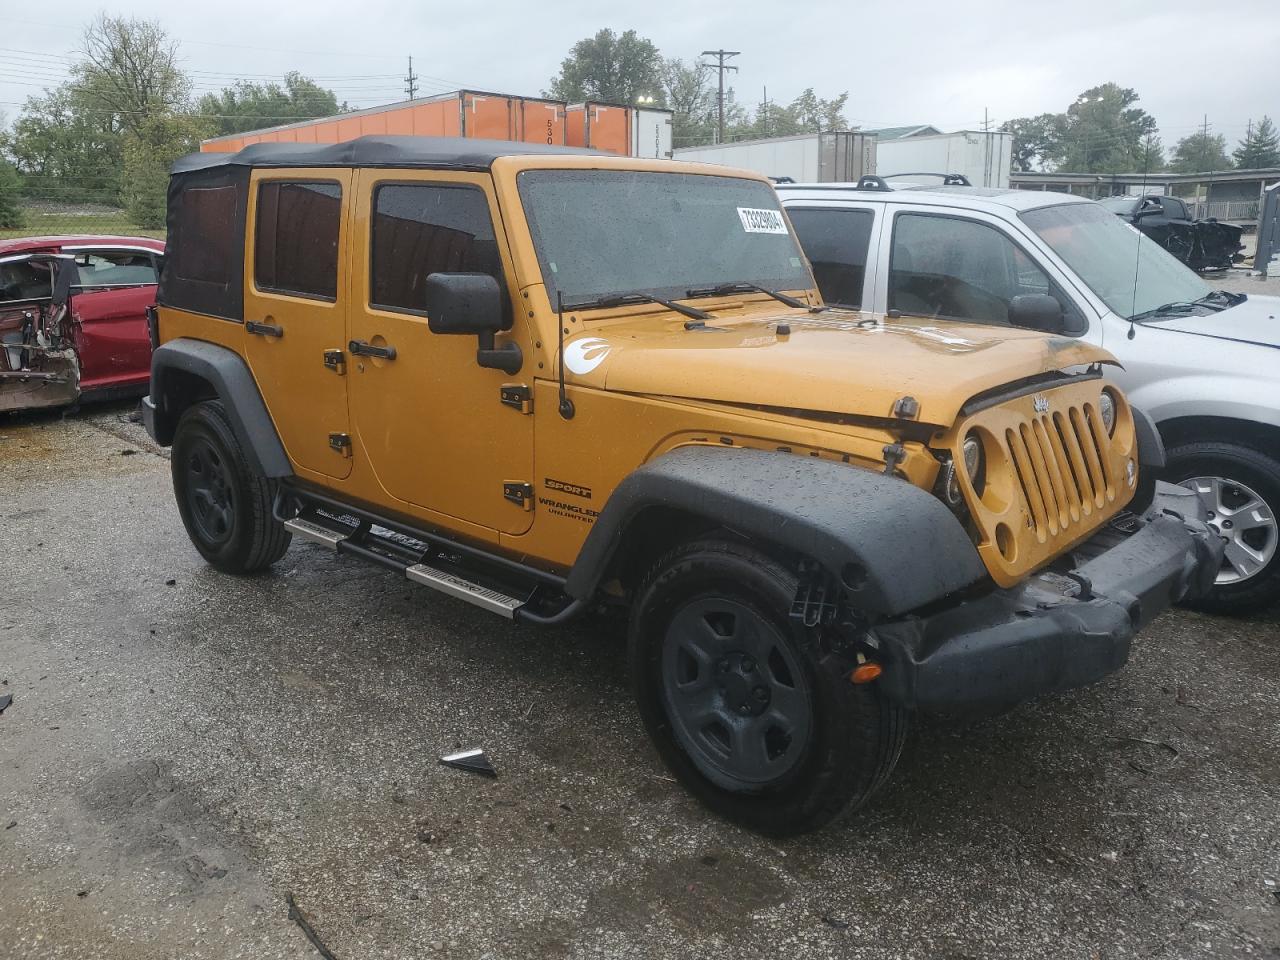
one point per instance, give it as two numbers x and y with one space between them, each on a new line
902 547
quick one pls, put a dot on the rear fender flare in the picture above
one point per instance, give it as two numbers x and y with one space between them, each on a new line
229 378
895 547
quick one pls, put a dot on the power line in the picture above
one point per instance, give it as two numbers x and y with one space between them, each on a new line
721 56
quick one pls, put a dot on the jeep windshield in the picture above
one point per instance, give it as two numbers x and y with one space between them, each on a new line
1133 274
602 233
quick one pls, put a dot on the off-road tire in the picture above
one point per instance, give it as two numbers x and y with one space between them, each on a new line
245 537
1261 473
855 736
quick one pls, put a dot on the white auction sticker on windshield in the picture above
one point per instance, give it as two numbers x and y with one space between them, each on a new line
762 221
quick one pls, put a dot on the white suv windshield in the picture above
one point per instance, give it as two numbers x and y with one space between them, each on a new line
604 232
1131 273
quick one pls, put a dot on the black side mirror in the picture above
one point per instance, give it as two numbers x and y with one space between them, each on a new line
1037 311
471 303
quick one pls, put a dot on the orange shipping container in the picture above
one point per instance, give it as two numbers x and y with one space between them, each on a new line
600 126
465 113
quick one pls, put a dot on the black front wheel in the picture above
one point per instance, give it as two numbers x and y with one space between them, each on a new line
752 712
224 501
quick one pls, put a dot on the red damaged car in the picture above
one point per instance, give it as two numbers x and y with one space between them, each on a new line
73 319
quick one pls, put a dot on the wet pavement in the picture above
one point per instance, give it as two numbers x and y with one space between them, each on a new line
185 748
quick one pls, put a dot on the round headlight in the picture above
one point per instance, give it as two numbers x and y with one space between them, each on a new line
1107 410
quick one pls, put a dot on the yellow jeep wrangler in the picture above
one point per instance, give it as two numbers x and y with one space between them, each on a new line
542 381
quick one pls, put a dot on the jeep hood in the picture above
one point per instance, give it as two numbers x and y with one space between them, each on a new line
1256 321
840 362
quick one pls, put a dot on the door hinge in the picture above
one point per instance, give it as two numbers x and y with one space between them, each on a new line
517 396
336 361
521 494
340 443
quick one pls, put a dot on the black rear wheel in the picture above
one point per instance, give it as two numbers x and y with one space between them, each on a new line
752 712
224 502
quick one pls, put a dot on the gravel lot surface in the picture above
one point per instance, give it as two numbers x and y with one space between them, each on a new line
185 748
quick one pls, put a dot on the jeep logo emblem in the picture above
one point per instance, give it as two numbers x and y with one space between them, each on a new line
1041 403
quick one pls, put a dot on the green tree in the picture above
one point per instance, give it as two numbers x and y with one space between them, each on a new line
1102 132
252 106
65 150
1260 148
1151 155
814 114
1200 153
10 193
1033 139
130 71
150 148
611 68
688 94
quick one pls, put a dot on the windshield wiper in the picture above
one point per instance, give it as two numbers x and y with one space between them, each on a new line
743 286
626 299
1167 309
1223 299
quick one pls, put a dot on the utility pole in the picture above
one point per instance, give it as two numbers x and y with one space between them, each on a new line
721 56
764 111
411 82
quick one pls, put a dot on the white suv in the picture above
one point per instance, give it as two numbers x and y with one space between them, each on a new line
1200 362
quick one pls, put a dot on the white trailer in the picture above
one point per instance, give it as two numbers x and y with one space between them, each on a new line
985 158
651 134
806 158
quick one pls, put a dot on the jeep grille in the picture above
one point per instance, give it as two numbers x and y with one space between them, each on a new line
1061 462
1051 477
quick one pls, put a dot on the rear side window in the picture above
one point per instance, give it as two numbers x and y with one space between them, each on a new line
420 229
296 238
114 268
208 230
835 241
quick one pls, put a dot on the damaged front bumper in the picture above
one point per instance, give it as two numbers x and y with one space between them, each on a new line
1055 631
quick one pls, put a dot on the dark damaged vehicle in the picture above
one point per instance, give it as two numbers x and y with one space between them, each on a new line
73 319
1200 244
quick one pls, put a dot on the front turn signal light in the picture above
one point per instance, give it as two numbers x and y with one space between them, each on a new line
865 672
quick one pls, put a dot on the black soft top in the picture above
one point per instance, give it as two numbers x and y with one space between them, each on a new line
448 153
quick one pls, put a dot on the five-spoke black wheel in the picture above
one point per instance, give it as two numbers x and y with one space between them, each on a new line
735 693
753 712
224 501
210 491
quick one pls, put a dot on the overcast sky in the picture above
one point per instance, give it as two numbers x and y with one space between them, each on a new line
924 62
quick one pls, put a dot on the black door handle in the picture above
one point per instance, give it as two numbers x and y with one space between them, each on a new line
264 329
361 348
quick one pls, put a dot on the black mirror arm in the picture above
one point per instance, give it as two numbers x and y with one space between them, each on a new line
508 358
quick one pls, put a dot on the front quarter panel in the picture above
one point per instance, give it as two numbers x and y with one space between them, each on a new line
1173 375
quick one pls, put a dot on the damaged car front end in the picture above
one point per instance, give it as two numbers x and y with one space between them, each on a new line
39 365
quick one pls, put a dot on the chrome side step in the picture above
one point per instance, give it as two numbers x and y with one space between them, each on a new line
473 593
316 533
399 552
